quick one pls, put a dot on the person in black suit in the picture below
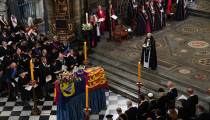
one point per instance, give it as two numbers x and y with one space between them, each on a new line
18 58
158 115
31 41
201 114
183 110
4 37
46 45
71 60
172 94
4 49
19 27
80 57
21 36
192 101
132 111
41 40
44 73
13 37
121 115
162 102
44 54
143 108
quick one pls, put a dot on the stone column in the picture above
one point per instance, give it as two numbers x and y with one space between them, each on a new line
3 8
50 4
77 16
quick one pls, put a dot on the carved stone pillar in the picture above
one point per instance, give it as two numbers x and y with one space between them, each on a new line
77 16
3 8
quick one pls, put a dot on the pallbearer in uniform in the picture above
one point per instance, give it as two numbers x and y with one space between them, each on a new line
149 56
142 108
159 15
151 16
172 94
101 14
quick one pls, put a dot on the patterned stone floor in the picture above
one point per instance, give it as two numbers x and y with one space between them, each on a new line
200 5
182 48
13 111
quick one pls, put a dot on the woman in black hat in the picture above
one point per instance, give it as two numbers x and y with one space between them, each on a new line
162 101
23 83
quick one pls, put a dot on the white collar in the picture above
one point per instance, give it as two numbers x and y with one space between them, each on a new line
5 47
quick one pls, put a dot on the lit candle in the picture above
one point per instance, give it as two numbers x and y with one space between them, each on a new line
87 18
86 96
32 71
85 50
139 72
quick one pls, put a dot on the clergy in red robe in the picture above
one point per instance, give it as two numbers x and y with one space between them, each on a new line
101 14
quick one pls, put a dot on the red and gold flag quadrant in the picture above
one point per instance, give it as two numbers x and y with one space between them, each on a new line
95 79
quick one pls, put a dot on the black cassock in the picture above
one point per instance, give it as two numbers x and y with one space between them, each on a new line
25 94
149 54
93 35
107 20
141 24
151 18
181 12
130 12
159 16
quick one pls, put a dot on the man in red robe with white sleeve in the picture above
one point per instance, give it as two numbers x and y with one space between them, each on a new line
101 14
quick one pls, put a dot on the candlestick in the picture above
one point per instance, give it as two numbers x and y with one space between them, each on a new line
86 96
32 71
85 50
87 18
139 66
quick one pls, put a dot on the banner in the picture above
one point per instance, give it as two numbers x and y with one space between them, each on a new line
96 78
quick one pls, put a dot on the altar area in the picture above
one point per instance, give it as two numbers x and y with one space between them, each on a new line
72 99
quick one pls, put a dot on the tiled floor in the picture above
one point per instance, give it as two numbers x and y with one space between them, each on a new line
12 111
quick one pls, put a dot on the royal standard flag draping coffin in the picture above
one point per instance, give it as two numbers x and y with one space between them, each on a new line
65 92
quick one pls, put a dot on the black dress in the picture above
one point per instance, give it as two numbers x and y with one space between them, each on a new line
25 94
141 24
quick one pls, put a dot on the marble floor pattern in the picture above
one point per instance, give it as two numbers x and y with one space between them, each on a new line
12 111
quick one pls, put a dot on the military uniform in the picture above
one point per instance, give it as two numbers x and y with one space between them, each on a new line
153 106
122 117
142 110
64 48
10 76
171 96
55 45
18 59
71 62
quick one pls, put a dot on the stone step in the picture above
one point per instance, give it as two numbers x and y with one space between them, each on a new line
132 67
127 77
198 13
